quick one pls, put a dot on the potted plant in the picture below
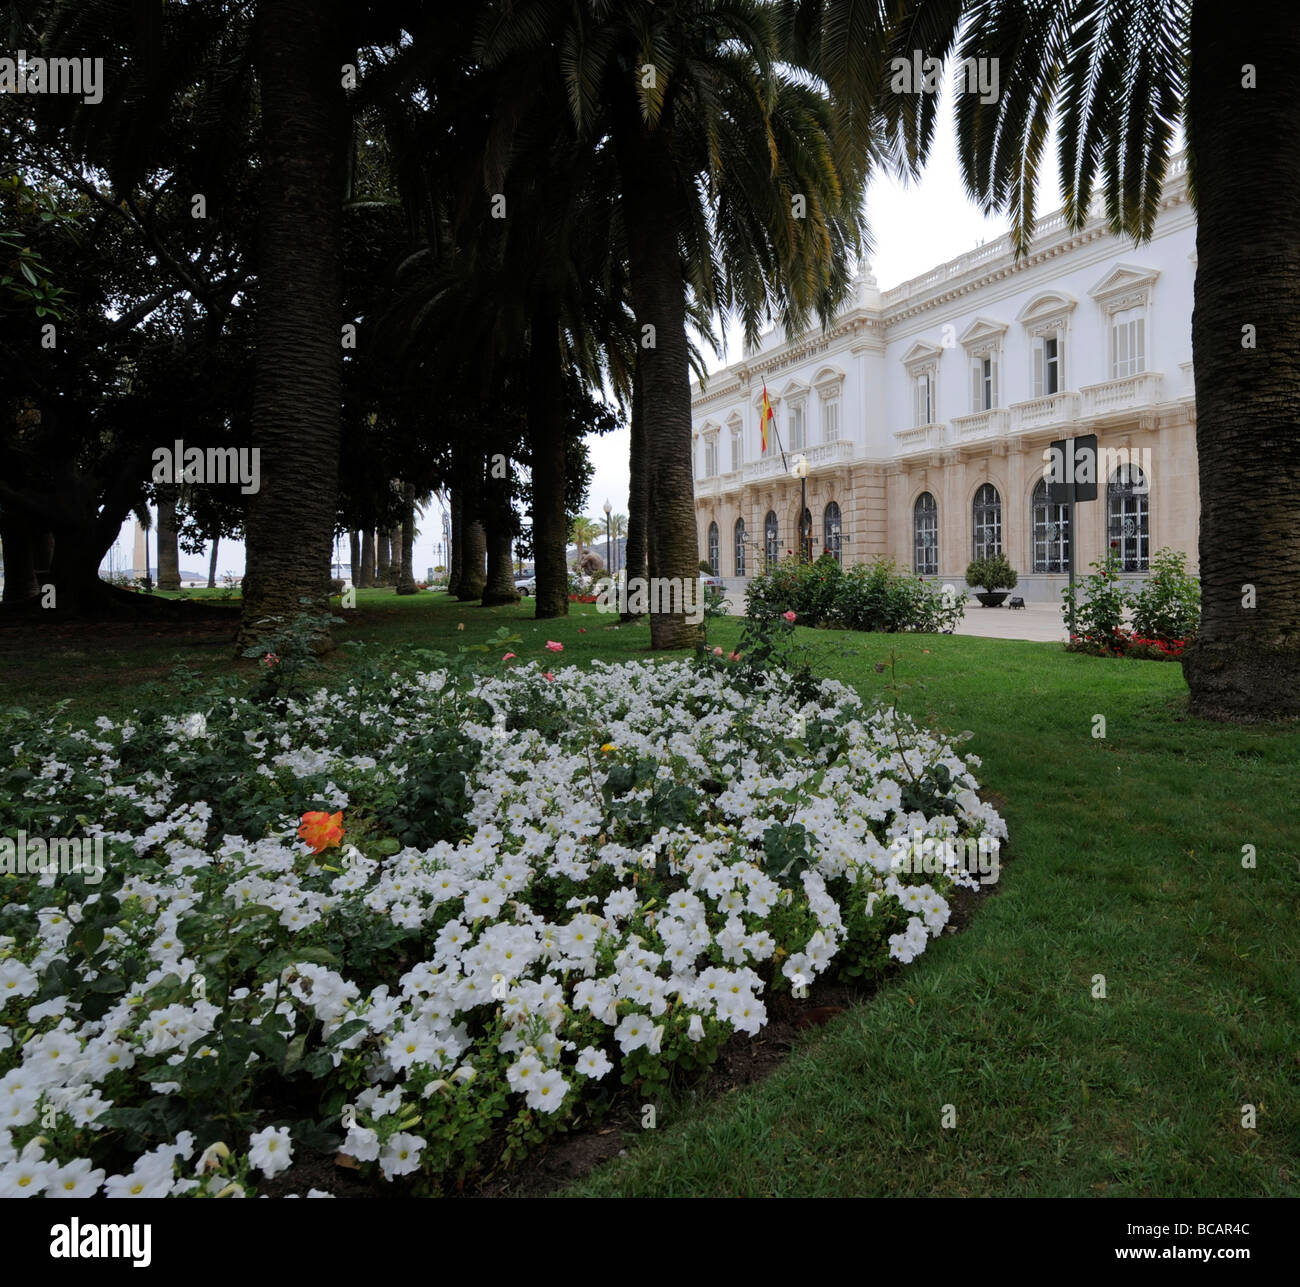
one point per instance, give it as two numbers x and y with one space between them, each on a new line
996 575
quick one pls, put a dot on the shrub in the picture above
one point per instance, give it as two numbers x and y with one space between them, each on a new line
994 572
1101 613
1168 607
868 596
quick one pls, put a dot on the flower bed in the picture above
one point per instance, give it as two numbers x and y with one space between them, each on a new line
540 890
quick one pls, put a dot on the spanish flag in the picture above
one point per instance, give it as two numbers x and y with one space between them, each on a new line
767 415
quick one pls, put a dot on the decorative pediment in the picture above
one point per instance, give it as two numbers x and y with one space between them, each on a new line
1046 309
922 354
982 334
1125 286
734 421
828 381
794 389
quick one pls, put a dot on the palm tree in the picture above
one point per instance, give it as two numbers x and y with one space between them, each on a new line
299 358
730 190
582 532
1119 75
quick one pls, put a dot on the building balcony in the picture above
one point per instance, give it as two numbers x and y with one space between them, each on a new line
920 437
1044 413
983 424
772 465
1144 389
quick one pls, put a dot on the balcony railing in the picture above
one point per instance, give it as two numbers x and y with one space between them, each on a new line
1039 413
919 436
1140 390
982 424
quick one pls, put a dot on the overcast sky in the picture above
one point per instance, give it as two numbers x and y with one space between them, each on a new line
912 227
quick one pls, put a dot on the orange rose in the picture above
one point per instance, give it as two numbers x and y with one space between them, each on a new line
321 831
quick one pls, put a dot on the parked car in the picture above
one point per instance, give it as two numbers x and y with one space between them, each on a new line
527 586
711 582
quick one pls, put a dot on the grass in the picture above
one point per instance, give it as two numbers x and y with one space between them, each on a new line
1125 862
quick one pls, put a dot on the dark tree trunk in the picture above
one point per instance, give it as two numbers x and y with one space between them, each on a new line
298 361
367 559
659 300
500 586
212 563
169 567
383 560
455 555
20 559
546 437
354 554
1245 661
473 577
394 554
406 576
635 550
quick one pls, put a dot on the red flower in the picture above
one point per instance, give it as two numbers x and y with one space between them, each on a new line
321 830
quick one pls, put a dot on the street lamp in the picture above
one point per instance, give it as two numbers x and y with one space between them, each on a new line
799 470
607 563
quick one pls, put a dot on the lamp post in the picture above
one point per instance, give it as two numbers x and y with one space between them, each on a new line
607 512
799 469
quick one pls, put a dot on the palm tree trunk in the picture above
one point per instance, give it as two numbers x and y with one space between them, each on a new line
635 550
473 576
354 554
1245 662
406 574
298 361
455 555
497 518
659 300
212 563
169 568
383 560
546 436
19 544
367 559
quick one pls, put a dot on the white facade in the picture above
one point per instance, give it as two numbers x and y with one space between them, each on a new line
919 399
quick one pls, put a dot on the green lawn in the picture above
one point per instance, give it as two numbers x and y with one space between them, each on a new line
1125 860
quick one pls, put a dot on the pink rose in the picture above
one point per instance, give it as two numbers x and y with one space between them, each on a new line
546 674
733 656
717 652
508 657
789 616
552 646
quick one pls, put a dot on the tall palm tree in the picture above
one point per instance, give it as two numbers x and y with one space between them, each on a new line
1119 75
299 358
729 187
582 532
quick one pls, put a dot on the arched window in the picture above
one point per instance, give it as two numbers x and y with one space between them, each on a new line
713 548
832 531
1128 514
1051 533
987 527
740 547
925 536
771 538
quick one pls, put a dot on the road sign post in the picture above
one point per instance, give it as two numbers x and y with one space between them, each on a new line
1070 471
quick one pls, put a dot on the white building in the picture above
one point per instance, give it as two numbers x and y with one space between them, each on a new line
924 411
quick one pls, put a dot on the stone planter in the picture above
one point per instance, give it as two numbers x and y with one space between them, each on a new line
992 599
